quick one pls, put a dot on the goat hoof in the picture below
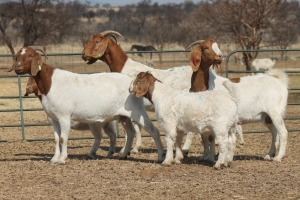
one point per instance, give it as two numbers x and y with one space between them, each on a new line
218 166
61 162
110 156
91 156
276 159
123 158
177 161
185 153
267 157
135 151
166 163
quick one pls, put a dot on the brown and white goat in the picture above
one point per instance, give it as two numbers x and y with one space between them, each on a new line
262 97
179 111
94 99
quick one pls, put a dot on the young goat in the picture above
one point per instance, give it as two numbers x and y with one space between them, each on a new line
179 111
103 48
94 99
262 97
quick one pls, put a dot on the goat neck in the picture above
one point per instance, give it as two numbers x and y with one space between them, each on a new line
200 78
43 79
114 57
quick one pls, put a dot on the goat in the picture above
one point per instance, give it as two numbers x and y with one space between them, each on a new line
179 111
263 97
143 48
95 99
262 64
31 88
103 48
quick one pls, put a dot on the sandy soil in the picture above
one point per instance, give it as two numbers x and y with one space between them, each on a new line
26 173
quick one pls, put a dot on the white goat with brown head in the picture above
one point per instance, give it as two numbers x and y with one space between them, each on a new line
31 88
179 111
262 97
94 99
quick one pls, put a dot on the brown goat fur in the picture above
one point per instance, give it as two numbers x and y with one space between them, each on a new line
202 57
105 49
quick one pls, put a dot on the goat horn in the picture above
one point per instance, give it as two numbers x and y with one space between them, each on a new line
194 43
42 52
12 67
112 33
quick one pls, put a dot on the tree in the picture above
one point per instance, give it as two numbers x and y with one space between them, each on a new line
157 33
37 21
247 22
6 20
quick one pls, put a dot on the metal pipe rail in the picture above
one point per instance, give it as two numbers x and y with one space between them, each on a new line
21 109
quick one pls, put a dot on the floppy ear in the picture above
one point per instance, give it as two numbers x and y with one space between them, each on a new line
36 64
100 48
195 58
141 88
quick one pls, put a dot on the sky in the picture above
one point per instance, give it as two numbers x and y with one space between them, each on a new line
126 2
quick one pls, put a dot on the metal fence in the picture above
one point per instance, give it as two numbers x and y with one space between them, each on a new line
13 118
294 87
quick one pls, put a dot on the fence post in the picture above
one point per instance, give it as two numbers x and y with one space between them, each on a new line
21 107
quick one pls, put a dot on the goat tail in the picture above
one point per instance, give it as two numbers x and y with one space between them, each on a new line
233 90
279 74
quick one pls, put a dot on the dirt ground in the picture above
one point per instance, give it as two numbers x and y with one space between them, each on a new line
26 173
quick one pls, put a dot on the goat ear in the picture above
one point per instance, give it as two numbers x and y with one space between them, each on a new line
142 89
195 58
100 48
36 64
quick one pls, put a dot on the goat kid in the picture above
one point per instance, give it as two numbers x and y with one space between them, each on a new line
179 111
96 98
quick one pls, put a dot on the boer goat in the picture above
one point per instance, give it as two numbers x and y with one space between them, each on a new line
94 99
179 111
262 97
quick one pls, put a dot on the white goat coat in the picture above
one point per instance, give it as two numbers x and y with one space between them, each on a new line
96 98
260 96
181 111
177 77
90 98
